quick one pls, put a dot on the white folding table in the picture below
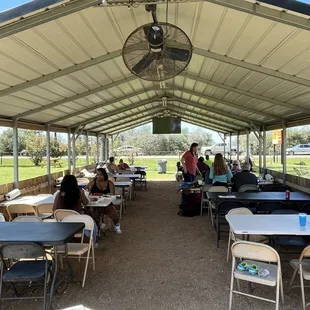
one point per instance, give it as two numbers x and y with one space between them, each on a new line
268 224
31 199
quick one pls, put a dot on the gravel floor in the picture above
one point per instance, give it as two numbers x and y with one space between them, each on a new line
161 261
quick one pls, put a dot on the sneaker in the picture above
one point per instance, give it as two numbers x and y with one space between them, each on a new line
102 226
117 229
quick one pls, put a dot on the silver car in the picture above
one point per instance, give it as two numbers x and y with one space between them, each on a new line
300 149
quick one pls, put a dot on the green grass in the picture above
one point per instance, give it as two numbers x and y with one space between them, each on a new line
27 170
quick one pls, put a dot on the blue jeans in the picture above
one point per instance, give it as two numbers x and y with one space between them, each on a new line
188 177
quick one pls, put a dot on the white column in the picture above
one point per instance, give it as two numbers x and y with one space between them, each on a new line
87 150
107 147
69 150
247 145
15 154
98 148
238 145
229 147
260 151
112 145
48 157
73 153
224 145
283 149
264 151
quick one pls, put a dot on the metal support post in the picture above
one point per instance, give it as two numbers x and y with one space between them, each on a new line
247 145
15 154
238 145
98 148
87 149
48 157
264 151
229 147
283 149
69 150
260 141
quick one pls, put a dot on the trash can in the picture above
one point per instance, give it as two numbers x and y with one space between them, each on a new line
162 166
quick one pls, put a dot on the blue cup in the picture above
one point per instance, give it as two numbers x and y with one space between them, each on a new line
302 219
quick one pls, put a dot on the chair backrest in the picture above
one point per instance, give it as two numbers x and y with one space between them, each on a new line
305 253
55 194
225 206
269 206
248 187
238 211
142 173
45 208
20 208
86 180
219 189
27 219
60 214
255 251
306 209
206 188
21 250
81 218
284 211
44 195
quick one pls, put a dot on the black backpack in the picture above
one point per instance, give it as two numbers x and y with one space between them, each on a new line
189 210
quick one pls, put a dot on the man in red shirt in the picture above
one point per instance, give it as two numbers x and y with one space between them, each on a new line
189 161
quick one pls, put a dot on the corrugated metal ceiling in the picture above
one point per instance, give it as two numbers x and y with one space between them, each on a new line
68 72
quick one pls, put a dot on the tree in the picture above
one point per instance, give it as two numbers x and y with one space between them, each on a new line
6 141
36 147
57 149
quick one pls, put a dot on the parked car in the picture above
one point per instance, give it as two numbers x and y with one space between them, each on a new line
23 153
300 149
219 148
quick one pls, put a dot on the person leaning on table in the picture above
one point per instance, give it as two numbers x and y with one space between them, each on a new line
102 185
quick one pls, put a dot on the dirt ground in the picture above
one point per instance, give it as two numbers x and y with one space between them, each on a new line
161 261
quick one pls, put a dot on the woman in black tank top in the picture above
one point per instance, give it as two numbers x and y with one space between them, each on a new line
102 185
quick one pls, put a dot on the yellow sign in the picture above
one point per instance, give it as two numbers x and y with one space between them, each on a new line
277 137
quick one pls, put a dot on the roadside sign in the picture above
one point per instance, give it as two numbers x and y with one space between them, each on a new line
277 136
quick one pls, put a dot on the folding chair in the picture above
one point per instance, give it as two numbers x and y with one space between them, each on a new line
233 237
78 249
45 210
268 207
27 219
34 267
261 255
248 188
60 214
20 209
142 179
204 198
302 266
219 189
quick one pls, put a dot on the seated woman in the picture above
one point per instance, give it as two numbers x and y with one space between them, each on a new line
202 167
220 173
72 197
122 165
102 185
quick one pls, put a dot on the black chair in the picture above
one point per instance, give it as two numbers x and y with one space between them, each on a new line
306 209
222 209
35 268
142 179
274 188
268 207
288 241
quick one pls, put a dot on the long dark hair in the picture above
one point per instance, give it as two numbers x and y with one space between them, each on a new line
192 148
104 173
69 186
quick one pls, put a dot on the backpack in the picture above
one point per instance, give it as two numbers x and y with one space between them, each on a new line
189 210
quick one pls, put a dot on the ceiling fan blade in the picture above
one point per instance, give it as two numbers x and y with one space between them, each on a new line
177 54
143 63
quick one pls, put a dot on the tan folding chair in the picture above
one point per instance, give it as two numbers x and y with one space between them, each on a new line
60 214
215 189
44 195
27 219
76 250
301 265
204 198
261 255
248 188
45 210
20 209
233 237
